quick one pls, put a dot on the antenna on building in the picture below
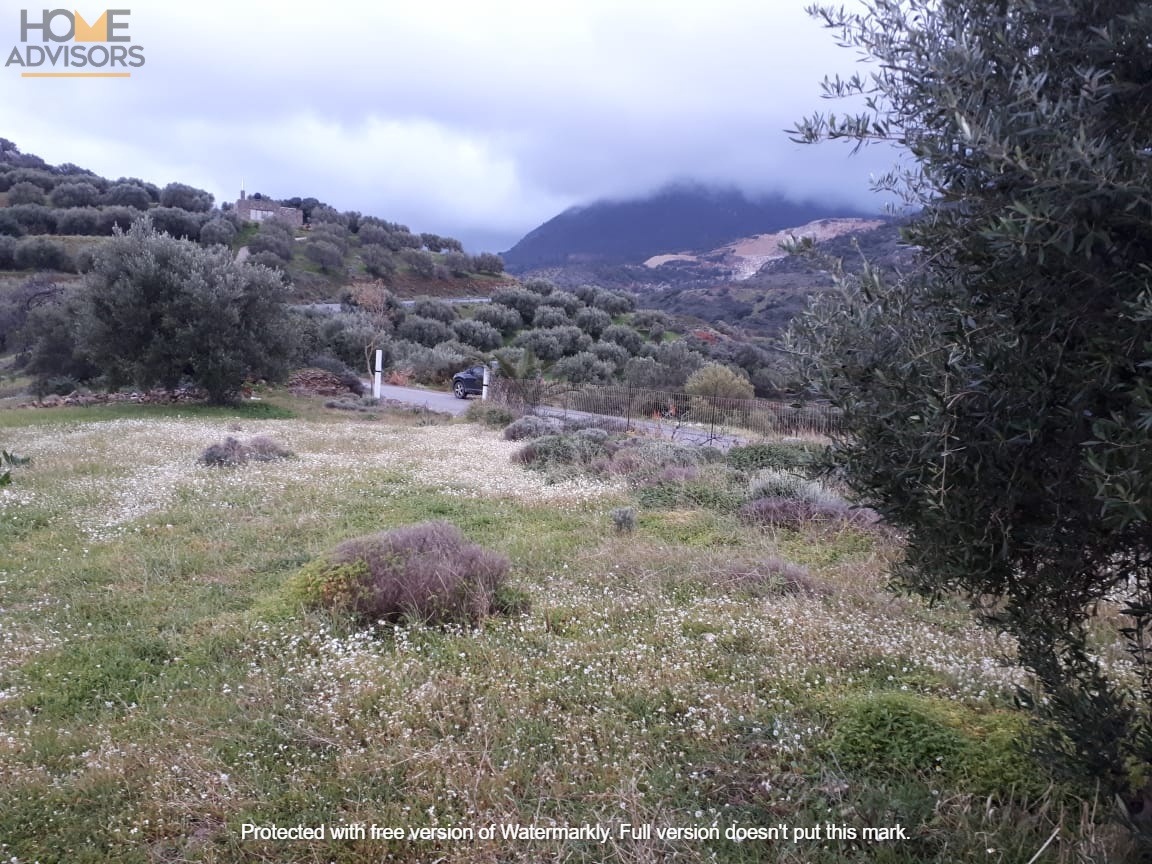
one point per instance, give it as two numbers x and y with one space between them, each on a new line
242 195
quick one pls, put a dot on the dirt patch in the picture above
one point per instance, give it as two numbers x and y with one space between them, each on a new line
744 257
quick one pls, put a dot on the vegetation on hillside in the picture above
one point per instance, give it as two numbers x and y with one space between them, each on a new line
43 204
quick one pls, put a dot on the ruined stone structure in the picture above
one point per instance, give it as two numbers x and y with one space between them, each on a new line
261 209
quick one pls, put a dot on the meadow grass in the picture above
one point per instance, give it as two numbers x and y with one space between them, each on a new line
158 690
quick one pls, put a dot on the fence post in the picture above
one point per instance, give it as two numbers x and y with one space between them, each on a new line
628 410
712 419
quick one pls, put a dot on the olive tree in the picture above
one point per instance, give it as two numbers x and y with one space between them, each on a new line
999 398
217 232
127 195
489 263
155 310
185 197
25 193
378 261
75 195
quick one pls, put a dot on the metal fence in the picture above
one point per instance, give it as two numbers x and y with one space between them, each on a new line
715 419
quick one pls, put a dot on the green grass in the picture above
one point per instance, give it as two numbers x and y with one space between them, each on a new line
128 410
158 690
245 235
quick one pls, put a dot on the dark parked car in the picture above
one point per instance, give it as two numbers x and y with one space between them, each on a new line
468 381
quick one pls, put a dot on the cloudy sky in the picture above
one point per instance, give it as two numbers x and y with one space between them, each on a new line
478 120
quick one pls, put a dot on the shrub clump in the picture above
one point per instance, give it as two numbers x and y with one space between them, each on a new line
773 483
261 448
231 452
797 512
489 414
624 520
425 573
559 451
680 486
780 455
228 453
639 458
529 426
771 576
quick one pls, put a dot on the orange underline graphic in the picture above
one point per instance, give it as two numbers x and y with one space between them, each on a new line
75 74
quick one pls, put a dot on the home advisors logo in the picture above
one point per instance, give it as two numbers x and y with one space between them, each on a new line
97 49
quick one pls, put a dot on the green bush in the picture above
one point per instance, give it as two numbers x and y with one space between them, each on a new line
425 331
231 452
489 414
40 253
437 310
550 316
773 483
7 462
478 334
25 193
593 321
774 454
217 232
624 519
625 337
504 318
523 301
430 365
570 303
562 451
715 379
378 261
689 487
893 735
427 573
530 426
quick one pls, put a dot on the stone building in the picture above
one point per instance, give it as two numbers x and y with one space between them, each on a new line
261 209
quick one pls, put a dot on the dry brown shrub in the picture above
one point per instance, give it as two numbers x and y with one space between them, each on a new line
427 572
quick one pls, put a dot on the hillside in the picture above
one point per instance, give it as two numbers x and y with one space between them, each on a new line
719 287
53 217
749 282
682 218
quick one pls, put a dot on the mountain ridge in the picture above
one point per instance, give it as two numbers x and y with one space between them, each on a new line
682 218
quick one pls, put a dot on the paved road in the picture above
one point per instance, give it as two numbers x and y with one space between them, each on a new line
683 434
333 308
449 404
433 399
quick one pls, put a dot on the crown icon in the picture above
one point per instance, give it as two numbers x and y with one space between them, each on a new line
97 32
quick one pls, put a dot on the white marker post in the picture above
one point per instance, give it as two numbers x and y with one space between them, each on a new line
487 380
379 372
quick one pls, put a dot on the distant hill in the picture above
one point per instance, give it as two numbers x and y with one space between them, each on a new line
54 217
681 218
763 303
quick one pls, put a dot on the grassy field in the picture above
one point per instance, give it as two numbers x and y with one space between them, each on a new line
158 693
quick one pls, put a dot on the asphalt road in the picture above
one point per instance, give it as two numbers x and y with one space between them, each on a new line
449 404
432 399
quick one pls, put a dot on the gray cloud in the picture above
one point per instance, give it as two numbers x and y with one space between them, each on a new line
474 120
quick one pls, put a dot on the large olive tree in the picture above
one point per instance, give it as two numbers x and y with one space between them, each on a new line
999 399
155 310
